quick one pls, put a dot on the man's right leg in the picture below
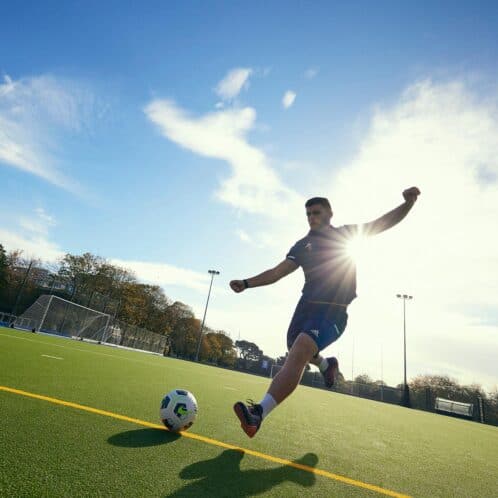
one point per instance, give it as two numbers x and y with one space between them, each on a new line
287 379
283 384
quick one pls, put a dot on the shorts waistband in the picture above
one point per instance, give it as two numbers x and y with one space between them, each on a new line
344 306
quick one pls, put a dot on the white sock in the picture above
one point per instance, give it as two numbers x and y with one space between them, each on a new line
268 403
323 365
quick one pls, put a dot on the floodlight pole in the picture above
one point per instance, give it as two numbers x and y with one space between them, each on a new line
406 392
212 273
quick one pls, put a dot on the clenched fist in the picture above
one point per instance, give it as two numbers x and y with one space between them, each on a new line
237 285
411 194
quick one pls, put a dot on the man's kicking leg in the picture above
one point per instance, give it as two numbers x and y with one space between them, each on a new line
283 384
329 368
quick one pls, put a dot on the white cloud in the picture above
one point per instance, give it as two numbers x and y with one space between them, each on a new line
45 217
33 114
231 85
288 99
244 236
31 236
438 137
254 186
166 275
39 223
311 73
33 246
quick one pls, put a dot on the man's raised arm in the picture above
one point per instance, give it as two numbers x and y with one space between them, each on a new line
266 278
393 217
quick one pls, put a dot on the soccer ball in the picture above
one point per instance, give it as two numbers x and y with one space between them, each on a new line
178 410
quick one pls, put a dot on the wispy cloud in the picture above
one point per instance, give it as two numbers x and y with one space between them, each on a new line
165 275
288 99
38 223
231 85
311 73
31 235
33 114
243 235
254 186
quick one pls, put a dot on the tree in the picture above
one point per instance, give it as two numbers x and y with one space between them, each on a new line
364 386
218 347
210 348
185 330
363 379
425 388
228 353
248 350
79 273
250 355
3 267
4 270
21 289
443 385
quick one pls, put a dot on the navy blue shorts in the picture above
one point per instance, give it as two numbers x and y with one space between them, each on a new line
324 323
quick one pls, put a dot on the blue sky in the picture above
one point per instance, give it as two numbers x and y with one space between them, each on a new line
157 136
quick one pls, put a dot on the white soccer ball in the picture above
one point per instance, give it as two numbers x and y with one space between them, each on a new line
178 410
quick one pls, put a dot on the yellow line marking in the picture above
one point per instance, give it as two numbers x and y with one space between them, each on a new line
197 437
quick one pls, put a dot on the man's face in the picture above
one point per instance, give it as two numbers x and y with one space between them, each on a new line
318 216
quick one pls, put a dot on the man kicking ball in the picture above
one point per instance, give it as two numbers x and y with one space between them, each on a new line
320 317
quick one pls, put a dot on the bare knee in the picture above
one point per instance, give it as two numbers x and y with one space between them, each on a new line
303 349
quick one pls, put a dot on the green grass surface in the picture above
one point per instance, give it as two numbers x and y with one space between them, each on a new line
52 450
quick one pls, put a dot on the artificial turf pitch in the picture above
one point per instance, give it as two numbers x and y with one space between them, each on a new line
49 449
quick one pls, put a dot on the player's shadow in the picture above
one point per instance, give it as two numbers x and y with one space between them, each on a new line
140 438
223 477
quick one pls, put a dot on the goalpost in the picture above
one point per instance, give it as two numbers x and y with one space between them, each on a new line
55 315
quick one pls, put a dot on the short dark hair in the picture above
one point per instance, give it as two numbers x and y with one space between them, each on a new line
323 201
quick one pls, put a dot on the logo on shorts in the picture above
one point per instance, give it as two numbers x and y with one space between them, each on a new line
308 246
316 333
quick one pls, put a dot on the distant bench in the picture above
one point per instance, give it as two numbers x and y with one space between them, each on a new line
457 408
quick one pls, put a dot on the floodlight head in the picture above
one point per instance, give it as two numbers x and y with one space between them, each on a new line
404 296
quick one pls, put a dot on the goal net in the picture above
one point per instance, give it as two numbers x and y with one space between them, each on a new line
55 315
130 336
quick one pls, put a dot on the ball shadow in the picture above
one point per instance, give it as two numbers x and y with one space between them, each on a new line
141 438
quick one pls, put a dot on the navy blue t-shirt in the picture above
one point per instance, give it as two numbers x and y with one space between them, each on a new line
329 271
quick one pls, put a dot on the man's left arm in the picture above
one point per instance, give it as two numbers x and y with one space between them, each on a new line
392 217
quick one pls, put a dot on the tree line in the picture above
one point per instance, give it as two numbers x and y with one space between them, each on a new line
423 392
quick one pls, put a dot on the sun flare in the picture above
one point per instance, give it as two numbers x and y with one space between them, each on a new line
356 248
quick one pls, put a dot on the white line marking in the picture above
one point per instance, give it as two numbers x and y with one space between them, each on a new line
54 357
231 388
